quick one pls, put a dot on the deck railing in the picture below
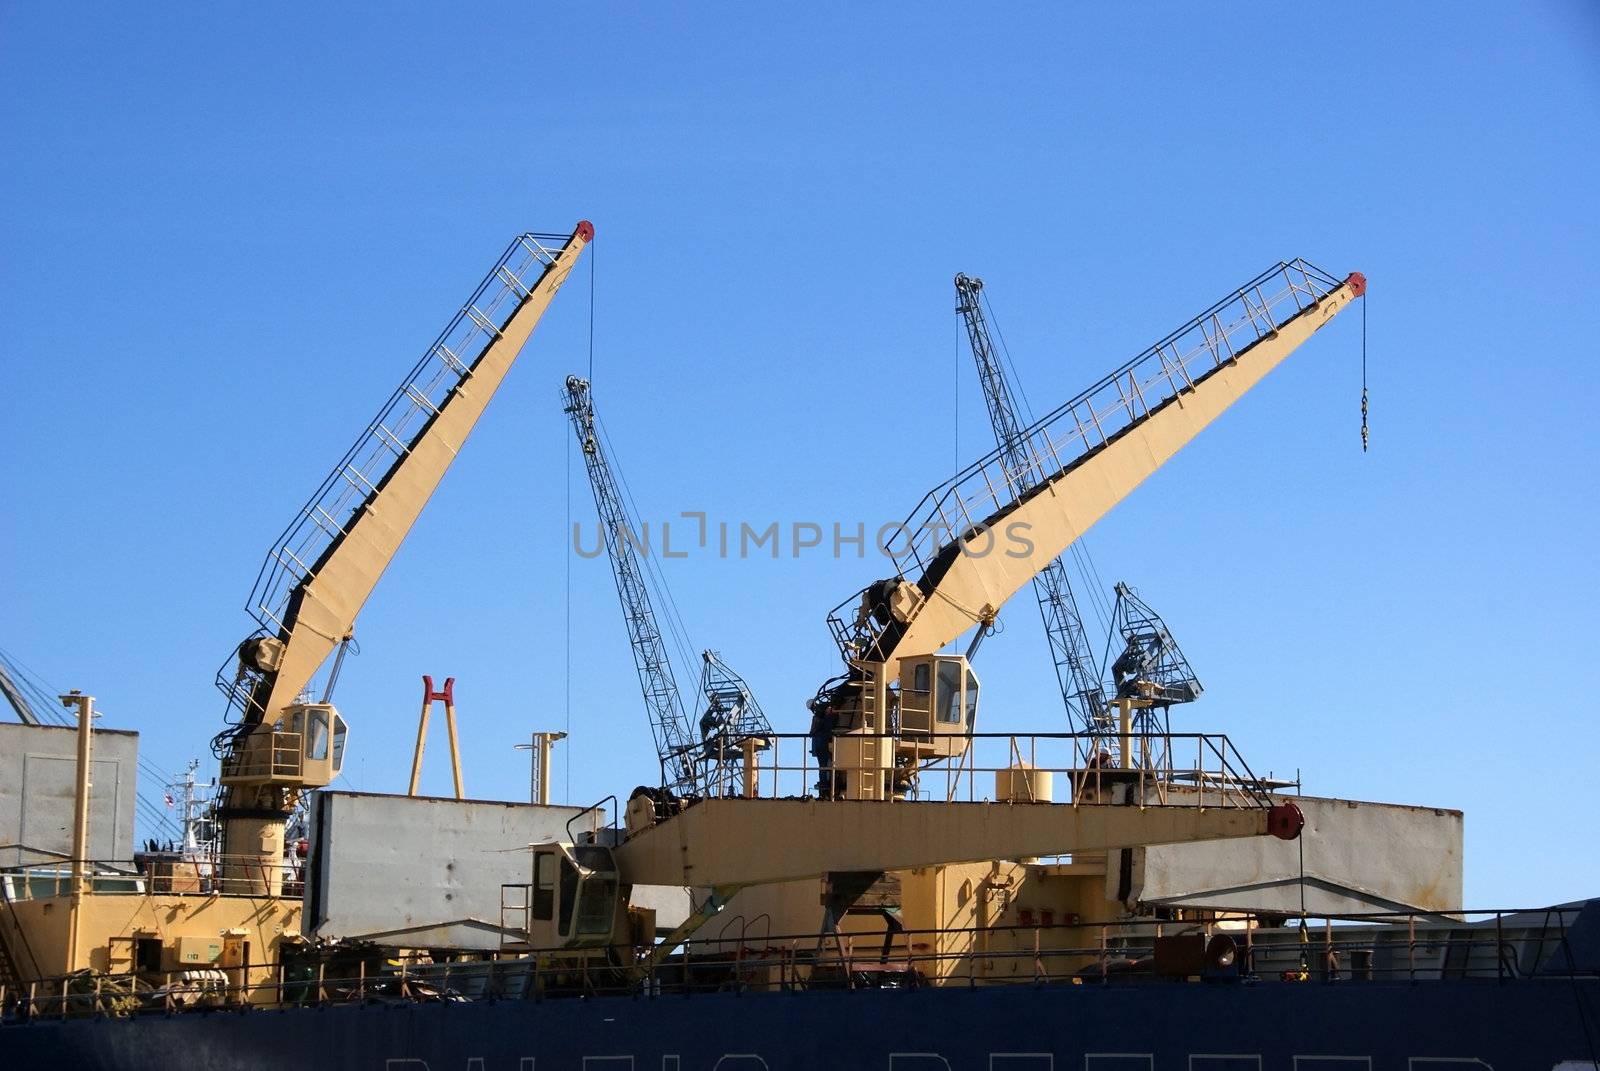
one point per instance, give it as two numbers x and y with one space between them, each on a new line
1169 769
160 873
1486 947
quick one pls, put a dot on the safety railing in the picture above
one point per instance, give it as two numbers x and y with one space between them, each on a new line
264 753
390 436
1066 436
18 884
1168 769
160 874
1490 947
1503 946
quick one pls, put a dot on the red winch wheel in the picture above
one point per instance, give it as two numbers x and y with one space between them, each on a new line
1285 821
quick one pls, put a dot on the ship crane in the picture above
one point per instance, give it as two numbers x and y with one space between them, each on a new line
320 572
1077 674
692 762
732 726
903 704
983 535
1149 676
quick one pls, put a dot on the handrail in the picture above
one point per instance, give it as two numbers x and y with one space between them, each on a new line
157 874
1184 769
599 806
1342 949
277 754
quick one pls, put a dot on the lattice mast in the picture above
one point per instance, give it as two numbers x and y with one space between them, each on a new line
669 725
1077 674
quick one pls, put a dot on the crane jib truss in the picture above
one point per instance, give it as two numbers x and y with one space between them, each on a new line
668 724
693 763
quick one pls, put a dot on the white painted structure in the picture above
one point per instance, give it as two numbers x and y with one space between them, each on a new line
1358 857
38 786
422 871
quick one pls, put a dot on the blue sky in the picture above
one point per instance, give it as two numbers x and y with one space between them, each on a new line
226 233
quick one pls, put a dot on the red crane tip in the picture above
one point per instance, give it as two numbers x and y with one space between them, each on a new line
585 230
1357 283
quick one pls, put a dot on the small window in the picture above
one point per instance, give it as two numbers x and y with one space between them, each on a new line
317 736
544 885
919 677
593 856
569 895
947 700
598 909
339 732
971 703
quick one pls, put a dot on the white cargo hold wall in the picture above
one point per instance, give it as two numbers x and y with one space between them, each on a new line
38 786
420 871
1357 857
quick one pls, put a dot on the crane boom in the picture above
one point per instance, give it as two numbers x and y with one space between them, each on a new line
689 760
1077 676
321 571
1086 457
738 842
19 702
980 537
669 726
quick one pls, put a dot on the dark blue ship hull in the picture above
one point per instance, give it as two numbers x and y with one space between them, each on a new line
1432 1026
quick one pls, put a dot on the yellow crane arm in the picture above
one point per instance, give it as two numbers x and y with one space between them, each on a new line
733 842
321 608
991 559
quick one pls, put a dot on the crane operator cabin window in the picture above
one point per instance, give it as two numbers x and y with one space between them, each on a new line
317 736
947 697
